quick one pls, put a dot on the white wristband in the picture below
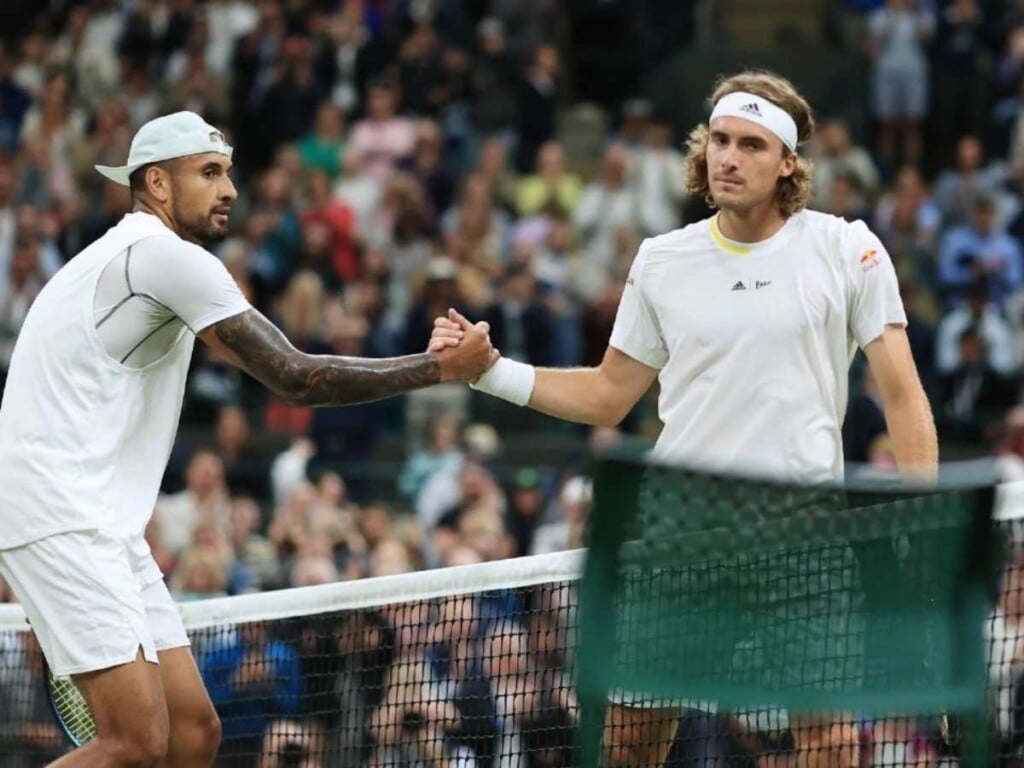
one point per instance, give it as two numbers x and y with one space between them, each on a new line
509 380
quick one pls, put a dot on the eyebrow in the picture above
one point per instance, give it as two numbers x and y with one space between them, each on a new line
215 166
741 137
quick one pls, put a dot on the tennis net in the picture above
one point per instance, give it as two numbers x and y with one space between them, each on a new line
471 666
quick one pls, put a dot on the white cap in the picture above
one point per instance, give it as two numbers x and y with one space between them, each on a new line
165 138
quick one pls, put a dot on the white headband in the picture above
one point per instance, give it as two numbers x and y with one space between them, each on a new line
756 109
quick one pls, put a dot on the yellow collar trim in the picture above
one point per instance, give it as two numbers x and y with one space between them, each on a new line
723 243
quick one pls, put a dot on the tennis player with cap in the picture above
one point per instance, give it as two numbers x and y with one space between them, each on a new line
87 422
749 320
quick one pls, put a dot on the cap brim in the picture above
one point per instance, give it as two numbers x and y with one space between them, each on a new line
116 173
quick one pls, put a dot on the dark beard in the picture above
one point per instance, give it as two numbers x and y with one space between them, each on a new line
203 232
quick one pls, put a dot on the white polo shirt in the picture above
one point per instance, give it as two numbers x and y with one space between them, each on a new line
754 341
97 378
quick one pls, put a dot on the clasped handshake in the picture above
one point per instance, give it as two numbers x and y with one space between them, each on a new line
463 348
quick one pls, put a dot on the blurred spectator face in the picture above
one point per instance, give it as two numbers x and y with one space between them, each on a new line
527 496
614 165
659 134
302 307
318 187
969 154
457 620
24 260
561 236
492 36
382 102
492 158
205 473
274 189
835 139
232 430
983 217
6 184
331 490
329 125
462 555
546 60
205 536
390 557
444 433
972 349
520 286
550 160
244 518
909 183
483 530
603 438
475 481
375 524
348 335
289 743
505 654
203 576
313 571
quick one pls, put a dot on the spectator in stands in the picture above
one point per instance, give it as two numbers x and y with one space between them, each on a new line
441 454
324 147
525 509
25 279
204 500
980 249
908 223
254 565
607 205
29 735
476 232
245 471
898 35
845 198
977 311
974 396
492 164
382 139
551 186
200 574
338 222
957 188
252 679
538 102
834 155
573 510
292 744
522 325
656 178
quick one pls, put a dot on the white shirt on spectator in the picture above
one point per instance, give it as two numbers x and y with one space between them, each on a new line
995 330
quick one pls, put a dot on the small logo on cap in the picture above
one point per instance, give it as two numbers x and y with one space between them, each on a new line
216 137
751 108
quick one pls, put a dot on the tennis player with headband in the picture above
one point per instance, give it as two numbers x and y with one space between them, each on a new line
88 419
749 320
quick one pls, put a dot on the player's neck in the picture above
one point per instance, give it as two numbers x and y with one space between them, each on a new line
751 226
142 206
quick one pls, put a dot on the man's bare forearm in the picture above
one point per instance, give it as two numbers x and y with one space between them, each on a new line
319 380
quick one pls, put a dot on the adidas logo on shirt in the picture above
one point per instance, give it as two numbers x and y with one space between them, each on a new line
752 108
739 286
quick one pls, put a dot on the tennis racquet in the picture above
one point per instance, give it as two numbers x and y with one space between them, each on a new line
70 709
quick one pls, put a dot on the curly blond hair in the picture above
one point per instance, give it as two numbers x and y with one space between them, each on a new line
793 191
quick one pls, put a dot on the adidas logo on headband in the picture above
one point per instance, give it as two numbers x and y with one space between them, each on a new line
757 109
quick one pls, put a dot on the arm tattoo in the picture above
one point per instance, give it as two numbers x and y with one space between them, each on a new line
319 379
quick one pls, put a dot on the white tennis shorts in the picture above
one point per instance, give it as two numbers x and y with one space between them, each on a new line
93 600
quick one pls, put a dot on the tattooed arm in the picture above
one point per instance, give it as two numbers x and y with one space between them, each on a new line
254 344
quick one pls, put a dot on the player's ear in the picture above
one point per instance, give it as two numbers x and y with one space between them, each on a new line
158 183
788 165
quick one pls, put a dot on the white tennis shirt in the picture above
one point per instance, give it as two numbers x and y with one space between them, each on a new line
96 382
754 341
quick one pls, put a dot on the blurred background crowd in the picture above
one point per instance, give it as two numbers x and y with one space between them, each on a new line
505 157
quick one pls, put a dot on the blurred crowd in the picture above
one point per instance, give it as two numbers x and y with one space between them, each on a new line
398 157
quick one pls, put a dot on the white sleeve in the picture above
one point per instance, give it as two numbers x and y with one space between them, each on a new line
872 290
637 332
190 281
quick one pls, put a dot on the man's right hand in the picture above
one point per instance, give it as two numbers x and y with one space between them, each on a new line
472 357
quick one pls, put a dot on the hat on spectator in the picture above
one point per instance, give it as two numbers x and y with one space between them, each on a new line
165 138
